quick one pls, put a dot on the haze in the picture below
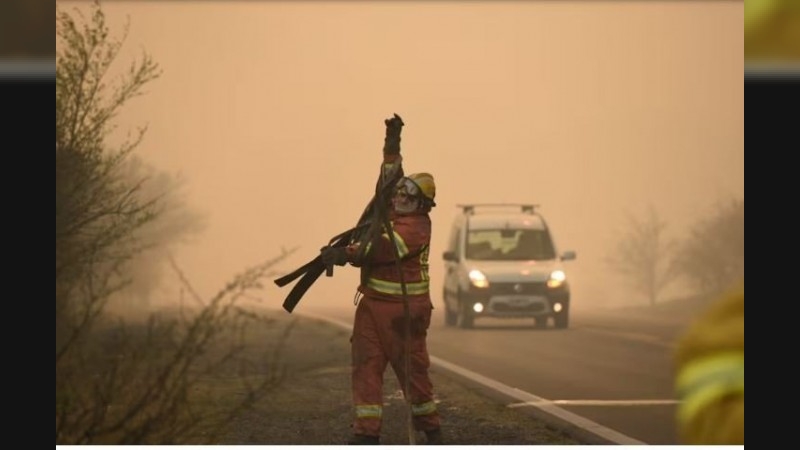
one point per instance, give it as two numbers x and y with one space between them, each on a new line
273 114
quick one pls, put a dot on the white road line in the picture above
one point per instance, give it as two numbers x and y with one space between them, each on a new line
542 404
600 403
525 398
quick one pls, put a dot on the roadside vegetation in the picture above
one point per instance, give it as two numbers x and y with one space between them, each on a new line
120 381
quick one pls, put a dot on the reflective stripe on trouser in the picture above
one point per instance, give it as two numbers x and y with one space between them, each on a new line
377 341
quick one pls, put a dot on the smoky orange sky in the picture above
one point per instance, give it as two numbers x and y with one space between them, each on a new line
273 113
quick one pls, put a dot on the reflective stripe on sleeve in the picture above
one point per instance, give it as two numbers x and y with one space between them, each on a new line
402 248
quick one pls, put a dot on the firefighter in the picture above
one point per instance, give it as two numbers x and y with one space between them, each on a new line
394 286
710 375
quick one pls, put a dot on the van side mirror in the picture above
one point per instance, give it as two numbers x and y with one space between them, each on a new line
568 255
450 256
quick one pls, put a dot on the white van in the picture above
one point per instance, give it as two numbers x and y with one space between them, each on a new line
501 261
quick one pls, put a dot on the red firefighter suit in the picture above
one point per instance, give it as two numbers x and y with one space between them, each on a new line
379 327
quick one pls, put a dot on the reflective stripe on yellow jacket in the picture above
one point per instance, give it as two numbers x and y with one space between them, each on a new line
709 377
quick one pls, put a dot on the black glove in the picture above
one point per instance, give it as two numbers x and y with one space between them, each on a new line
391 144
333 256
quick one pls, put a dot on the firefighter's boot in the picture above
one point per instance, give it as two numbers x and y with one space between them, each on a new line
434 437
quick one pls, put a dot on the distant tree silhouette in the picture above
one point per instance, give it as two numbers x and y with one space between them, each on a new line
712 257
642 255
175 224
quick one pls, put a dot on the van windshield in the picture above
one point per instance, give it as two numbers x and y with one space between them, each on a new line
509 245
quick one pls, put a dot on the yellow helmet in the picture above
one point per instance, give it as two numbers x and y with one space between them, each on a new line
420 184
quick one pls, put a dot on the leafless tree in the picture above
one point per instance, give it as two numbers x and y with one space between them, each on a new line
712 257
141 382
97 210
642 256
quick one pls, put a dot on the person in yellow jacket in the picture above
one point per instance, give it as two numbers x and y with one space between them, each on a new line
772 31
709 379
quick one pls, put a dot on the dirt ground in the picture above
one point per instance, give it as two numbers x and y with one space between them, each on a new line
312 406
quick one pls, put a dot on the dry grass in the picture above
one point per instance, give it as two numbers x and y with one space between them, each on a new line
312 406
288 382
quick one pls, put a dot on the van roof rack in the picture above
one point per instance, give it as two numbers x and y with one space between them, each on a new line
524 207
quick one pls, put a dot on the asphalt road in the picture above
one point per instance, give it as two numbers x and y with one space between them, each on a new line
609 375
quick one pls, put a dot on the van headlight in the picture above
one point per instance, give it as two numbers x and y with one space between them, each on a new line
478 279
557 278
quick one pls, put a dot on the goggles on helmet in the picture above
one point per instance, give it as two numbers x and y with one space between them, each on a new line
406 187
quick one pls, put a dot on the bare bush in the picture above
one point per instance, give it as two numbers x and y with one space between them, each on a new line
145 382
